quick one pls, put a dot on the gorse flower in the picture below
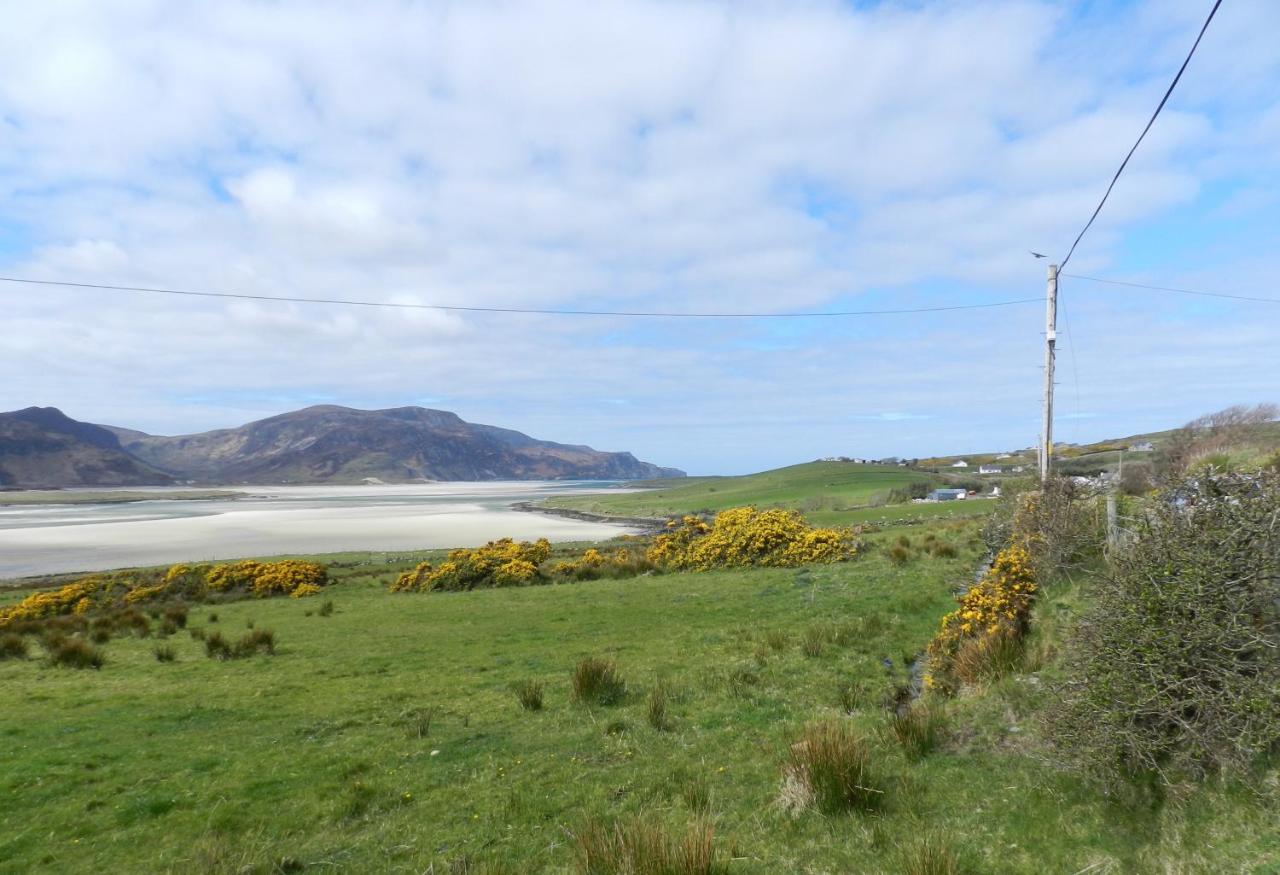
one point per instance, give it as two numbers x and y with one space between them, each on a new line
747 536
998 606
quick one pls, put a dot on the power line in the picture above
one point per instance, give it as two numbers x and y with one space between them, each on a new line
521 310
1095 279
1150 122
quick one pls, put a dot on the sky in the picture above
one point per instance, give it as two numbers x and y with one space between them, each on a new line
613 154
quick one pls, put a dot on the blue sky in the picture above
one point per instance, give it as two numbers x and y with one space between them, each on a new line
696 156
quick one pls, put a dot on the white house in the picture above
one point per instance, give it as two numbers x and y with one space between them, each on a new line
1142 447
1004 456
960 463
990 469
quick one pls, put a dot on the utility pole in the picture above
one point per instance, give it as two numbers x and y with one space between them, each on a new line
1050 341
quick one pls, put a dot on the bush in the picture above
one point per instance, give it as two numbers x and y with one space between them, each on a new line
498 563
13 646
596 681
74 653
165 653
529 695
997 607
916 729
642 847
746 536
829 768
1173 670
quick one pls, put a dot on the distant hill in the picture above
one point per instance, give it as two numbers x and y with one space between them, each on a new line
341 444
41 447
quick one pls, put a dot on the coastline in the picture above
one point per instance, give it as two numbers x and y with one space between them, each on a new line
649 525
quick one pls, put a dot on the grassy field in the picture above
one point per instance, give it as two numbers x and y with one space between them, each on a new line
829 493
386 736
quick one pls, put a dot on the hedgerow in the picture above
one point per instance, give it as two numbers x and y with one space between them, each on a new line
1173 671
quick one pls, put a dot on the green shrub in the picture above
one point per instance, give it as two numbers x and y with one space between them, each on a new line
529 695
644 847
829 768
13 646
596 682
1173 670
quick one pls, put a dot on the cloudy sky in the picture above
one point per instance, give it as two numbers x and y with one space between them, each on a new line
682 156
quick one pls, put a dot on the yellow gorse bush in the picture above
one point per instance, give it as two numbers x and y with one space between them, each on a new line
288 577
746 536
998 605
63 600
498 563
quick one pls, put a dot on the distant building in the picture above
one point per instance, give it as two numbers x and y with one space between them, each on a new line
1142 447
990 469
960 463
947 495
1005 456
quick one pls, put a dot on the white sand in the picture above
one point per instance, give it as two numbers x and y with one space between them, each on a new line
50 539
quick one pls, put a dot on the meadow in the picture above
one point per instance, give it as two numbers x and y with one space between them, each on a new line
386 733
829 494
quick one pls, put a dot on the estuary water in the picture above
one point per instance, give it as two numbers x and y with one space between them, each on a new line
269 520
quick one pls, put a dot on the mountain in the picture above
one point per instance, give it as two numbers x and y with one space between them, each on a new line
42 447
341 444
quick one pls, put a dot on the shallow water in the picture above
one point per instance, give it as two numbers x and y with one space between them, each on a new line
48 539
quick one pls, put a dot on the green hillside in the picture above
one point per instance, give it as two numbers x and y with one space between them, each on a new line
387 737
828 492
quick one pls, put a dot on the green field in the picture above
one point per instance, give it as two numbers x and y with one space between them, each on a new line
829 493
386 737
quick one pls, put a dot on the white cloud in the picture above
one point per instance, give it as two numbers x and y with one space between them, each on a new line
636 155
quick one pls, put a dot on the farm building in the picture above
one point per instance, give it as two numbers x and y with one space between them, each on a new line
946 495
961 463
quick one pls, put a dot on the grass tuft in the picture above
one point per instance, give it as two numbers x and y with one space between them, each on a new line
930 855
656 712
829 768
529 694
257 641
217 647
74 653
164 653
13 646
596 681
916 728
637 847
